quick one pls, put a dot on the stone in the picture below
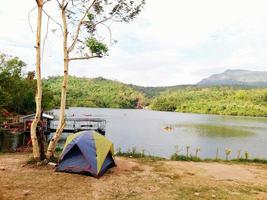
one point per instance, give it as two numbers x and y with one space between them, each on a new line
197 194
52 164
26 192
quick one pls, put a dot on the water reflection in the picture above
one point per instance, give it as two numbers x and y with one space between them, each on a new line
10 142
211 130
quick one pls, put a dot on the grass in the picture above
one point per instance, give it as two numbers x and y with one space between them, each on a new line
176 157
255 160
136 154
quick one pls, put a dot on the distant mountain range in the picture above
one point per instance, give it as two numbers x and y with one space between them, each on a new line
236 78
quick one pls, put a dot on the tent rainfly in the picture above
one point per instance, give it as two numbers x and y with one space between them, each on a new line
87 152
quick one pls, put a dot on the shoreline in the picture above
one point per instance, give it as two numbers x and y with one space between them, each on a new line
150 110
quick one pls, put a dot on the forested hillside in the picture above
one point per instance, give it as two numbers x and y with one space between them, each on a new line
97 92
216 100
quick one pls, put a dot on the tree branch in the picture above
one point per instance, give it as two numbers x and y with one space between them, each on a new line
107 18
53 20
45 2
85 57
110 33
47 27
79 27
29 17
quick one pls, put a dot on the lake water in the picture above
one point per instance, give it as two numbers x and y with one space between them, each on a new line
144 130
10 142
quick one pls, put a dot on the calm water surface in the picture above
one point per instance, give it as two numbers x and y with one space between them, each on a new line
144 129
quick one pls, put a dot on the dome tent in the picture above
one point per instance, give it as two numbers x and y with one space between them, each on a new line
87 152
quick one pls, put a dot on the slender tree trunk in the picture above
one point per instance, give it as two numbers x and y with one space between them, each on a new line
38 97
61 124
41 138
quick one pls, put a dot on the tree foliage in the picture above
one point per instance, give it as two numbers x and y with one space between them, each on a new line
96 47
89 22
17 89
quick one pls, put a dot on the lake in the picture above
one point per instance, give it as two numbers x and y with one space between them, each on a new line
146 130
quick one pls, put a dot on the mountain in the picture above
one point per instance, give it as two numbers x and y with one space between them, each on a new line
237 77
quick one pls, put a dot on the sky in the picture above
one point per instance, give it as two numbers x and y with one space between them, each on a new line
171 42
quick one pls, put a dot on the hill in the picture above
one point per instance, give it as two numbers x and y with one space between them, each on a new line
152 92
214 100
97 92
237 78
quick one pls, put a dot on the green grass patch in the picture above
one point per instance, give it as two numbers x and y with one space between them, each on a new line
133 153
176 157
255 160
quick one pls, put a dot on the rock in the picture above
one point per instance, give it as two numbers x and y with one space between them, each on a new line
26 192
213 196
190 173
52 164
2 169
197 194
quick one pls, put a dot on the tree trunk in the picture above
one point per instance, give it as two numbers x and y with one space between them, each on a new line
41 138
61 124
38 97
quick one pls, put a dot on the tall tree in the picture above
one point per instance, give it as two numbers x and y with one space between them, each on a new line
13 87
80 20
38 98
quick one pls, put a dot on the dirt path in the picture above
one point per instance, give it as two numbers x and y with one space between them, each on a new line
134 179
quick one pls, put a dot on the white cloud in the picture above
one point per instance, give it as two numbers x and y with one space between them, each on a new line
171 42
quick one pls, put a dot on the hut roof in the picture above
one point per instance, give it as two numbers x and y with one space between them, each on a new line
47 116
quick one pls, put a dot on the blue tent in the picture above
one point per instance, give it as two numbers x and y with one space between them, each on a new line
86 152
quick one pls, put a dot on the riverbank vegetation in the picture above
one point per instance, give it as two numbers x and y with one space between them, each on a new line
177 156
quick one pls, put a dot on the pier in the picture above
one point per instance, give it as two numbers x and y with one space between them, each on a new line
80 124
73 124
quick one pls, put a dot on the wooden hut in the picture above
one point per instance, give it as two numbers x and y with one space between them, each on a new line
27 120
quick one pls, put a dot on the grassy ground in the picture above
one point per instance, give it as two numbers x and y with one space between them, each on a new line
134 179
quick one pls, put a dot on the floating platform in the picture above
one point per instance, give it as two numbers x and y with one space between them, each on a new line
80 124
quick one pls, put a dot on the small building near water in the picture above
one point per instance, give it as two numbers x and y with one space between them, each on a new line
27 120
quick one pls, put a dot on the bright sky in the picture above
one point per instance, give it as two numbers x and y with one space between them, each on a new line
172 42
